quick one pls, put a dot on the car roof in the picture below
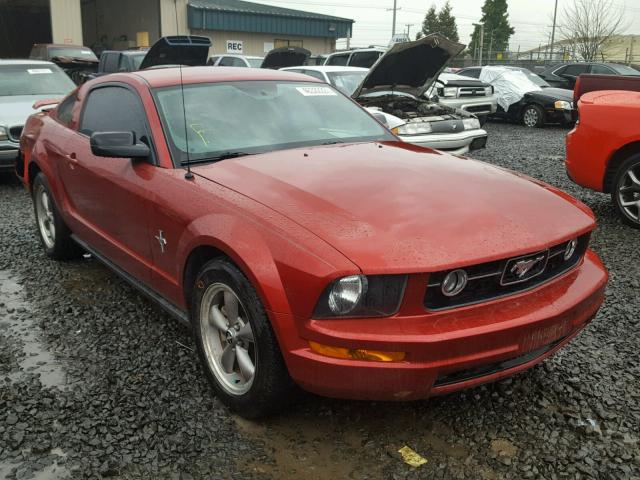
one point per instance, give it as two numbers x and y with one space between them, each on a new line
65 45
367 49
12 61
328 68
166 77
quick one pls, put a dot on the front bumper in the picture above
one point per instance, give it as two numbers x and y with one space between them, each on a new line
450 350
8 156
557 115
458 143
475 105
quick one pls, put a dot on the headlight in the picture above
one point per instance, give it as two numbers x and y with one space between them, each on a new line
488 91
3 134
361 296
471 123
414 128
562 105
450 92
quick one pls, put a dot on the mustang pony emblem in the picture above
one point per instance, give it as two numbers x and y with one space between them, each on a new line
523 267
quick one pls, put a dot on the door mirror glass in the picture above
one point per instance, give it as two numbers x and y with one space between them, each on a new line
118 144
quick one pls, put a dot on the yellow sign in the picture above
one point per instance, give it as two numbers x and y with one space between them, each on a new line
499 56
142 39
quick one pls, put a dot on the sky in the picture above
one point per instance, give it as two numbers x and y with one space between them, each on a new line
532 19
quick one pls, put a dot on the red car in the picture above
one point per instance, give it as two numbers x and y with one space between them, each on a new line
306 245
603 150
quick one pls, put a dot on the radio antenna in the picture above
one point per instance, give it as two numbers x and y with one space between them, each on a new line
188 175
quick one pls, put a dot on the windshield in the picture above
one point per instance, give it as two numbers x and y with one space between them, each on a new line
37 79
346 82
259 116
537 79
625 70
255 62
83 53
136 59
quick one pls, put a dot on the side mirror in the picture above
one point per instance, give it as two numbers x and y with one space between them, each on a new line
118 145
381 118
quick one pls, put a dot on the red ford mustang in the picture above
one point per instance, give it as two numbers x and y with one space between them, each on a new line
307 245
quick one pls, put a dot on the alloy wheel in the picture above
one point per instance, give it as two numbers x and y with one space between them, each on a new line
530 117
46 221
228 341
629 193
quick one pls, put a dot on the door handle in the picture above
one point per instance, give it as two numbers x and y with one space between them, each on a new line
72 160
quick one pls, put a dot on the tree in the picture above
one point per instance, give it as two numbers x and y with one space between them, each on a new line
447 23
588 24
430 23
497 29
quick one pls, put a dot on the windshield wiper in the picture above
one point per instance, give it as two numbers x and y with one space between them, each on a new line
332 142
217 158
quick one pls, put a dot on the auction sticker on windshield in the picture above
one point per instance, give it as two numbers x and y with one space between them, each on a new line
38 71
315 91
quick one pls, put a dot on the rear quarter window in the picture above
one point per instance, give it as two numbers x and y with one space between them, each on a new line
340 60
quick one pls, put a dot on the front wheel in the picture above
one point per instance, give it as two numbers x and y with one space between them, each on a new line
626 191
236 344
533 116
54 234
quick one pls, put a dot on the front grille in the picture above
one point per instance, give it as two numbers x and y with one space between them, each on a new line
472 92
492 280
15 132
478 108
491 368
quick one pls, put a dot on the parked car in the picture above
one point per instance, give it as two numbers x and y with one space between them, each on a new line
591 83
565 75
283 57
603 152
454 131
75 60
22 83
359 57
233 60
303 243
464 93
525 97
171 50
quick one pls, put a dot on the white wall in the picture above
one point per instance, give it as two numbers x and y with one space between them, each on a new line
66 21
168 17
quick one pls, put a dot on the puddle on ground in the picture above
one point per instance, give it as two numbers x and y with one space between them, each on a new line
16 322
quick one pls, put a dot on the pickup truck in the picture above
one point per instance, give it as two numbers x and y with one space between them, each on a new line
113 61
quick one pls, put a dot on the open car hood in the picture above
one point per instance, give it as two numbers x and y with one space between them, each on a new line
410 67
285 57
188 50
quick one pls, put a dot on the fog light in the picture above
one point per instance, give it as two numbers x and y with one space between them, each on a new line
570 249
346 293
454 283
356 354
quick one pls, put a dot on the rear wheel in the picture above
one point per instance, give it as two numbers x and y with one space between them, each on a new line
54 234
235 342
626 191
533 116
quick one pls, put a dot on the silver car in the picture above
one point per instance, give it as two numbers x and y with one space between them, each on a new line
22 83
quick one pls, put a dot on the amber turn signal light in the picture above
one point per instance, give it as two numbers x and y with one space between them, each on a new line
356 354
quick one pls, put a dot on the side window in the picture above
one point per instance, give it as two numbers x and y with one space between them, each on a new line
340 59
559 71
575 70
237 62
471 72
111 62
364 59
65 110
212 60
226 62
124 65
114 109
602 70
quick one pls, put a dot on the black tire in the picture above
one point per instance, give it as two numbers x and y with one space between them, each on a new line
61 246
629 169
533 116
482 119
271 388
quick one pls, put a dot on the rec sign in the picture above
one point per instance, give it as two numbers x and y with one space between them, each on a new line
234 46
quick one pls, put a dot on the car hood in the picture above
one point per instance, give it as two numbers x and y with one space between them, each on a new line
15 110
410 67
396 207
555 94
285 57
188 50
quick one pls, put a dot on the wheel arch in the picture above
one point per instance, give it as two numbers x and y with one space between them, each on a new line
615 161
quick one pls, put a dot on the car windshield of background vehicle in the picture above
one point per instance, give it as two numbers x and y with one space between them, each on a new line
37 79
82 53
346 82
259 116
537 79
255 62
626 70
136 60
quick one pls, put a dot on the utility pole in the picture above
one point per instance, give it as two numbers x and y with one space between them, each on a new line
553 29
393 26
490 48
481 25
409 25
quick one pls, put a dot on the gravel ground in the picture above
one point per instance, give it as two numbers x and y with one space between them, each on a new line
96 382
